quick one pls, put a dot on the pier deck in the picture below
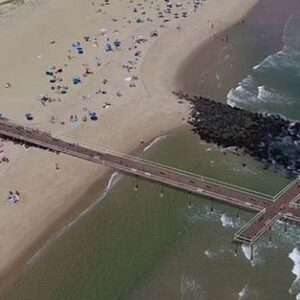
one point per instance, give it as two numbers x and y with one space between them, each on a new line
268 210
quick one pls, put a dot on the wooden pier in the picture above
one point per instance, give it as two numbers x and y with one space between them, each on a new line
268 210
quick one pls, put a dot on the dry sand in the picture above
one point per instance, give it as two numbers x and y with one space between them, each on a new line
38 36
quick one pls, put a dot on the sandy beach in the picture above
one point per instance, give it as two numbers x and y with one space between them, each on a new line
97 72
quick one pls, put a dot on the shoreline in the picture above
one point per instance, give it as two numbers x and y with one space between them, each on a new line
94 194
160 85
192 68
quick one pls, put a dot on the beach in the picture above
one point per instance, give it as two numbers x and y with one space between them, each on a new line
129 89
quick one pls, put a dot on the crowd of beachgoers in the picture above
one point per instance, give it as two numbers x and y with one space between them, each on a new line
91 53
106 41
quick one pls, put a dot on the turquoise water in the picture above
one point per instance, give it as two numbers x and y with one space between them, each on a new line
138 245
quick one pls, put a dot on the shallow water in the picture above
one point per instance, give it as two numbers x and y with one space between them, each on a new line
139 245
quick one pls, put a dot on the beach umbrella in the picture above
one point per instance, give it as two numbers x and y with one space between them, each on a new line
103 31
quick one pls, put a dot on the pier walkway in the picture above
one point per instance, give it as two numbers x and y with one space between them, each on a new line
268 209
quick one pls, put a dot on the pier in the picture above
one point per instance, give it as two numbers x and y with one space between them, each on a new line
268 209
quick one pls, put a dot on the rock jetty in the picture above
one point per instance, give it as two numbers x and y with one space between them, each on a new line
268 138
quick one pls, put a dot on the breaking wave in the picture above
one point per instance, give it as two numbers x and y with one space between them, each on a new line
190 288
231 222
154 142
273 85
295 257
244 292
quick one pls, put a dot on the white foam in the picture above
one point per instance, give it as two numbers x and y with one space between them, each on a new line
244 292
190 288
196 215
217 76
209 253
295 287
264 94
246 249
243 93
231 103
255 67
248 81
232 99
154 142
283 59
244 170
270 62
227 221
240 89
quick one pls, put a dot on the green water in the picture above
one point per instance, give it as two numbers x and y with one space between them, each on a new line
137 245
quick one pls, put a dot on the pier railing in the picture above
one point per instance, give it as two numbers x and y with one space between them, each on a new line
285 189
296 205
295 202
238 235
267 214
204 179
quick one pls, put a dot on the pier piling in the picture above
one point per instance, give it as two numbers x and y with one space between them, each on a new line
162 191
136 184
285 225
236 249
237 213
251 255
190 199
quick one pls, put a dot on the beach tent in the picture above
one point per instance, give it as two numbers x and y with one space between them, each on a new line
117 43
76 80
108 47
49 72
77 47
93 115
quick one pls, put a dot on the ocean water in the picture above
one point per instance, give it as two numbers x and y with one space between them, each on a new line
273 85
139 245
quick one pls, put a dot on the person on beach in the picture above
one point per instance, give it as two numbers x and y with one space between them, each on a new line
13 198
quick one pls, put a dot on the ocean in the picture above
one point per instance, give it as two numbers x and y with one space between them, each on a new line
272 86
142 245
